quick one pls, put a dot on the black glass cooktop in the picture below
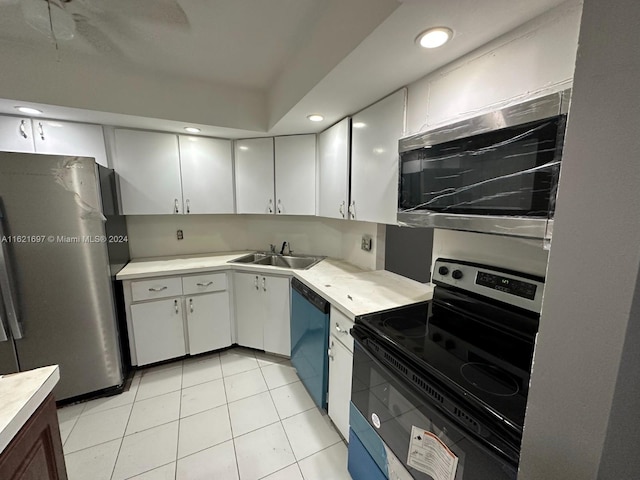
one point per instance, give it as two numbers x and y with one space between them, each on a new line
471 354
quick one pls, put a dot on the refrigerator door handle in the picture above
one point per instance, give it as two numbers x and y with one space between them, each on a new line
3 332
6 285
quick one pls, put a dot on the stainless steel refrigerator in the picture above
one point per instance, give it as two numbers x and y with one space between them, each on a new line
62 244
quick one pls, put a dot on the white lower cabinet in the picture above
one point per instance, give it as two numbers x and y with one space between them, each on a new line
174 316
340 371
158 330
262 308
208 322
277 320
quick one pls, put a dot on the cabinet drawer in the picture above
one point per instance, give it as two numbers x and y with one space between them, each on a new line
211 282
340 327
156 288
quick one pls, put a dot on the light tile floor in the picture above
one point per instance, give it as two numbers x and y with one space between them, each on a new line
237 415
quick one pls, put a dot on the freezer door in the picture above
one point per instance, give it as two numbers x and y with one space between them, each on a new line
58 255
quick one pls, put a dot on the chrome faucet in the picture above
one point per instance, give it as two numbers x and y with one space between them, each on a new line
287 246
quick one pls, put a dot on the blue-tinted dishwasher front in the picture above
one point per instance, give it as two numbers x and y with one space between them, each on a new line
310 340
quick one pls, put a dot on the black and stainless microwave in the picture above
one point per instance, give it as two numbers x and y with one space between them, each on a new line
497 172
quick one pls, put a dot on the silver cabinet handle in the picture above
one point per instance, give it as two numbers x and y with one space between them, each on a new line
256 283
200 284
41 130
175 206
340 330
352 209
279 206
329 351
270 206
7 287
23 129
264 284
154 289
175 304
188 206
342 209
191 305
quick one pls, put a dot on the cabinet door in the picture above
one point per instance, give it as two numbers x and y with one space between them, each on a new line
207 175
158 330
148 165
254 176
67 138
15 135
333 170
374 160
249 309
36 450
208 322
340 370
295 158
277 320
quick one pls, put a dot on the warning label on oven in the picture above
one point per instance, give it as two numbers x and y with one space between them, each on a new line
428 454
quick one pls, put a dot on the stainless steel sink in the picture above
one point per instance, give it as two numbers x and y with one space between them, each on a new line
274 260
251 258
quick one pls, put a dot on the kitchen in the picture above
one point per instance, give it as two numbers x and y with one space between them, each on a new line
558 442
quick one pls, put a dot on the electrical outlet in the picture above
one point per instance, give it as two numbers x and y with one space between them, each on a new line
179 234
366 243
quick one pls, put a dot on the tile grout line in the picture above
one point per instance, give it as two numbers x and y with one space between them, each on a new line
233 440
281 426
113 470
73 426
175 472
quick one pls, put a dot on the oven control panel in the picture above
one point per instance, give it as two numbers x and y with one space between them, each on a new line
521 290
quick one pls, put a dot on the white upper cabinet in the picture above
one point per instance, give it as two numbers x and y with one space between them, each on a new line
148 165
333 170
254 176
374 160
15 135
55 137
295 170
207 175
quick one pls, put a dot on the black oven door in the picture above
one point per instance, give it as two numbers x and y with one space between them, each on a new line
392 409
513 171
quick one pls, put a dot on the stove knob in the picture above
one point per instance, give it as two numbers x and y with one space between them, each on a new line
443 270
457 274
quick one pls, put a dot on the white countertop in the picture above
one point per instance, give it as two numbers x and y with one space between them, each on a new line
352 290
20 395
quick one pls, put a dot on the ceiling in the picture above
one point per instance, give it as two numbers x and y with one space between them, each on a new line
233 67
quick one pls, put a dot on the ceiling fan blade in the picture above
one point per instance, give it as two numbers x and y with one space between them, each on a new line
95 37
164 12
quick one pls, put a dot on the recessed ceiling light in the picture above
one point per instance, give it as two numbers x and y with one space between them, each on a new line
434 37
315 117
243 147
192 129
29 110
359 125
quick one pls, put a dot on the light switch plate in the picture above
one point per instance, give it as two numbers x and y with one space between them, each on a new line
366 243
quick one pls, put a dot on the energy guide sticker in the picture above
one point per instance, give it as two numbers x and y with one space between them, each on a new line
429 455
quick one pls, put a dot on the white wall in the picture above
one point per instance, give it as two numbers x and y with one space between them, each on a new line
532 60
155 235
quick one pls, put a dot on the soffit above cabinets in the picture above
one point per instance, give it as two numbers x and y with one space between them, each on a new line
241 68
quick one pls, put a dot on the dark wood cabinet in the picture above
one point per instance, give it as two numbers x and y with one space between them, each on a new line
36 453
